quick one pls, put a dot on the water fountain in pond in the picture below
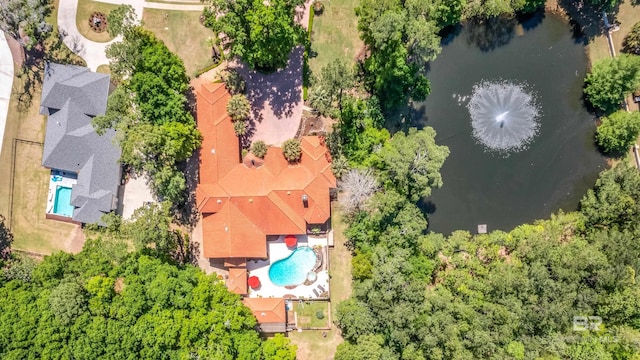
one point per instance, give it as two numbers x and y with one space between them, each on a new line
504 116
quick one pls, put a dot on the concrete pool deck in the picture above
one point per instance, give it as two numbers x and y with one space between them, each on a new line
278 250
66 180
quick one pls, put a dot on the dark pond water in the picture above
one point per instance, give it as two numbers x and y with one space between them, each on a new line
558 166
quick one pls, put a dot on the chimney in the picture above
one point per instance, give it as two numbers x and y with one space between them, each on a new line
305 200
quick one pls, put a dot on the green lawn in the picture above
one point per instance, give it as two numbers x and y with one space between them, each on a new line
85 9
627 17
182 33
307 314
32 232
335 34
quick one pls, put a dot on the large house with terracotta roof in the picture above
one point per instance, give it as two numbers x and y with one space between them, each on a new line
242 201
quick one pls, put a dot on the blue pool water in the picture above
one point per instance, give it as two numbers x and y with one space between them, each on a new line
293 269
62 203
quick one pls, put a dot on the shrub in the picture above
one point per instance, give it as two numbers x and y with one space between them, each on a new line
291 150
618 131
259 149
320 314
238 107
234 82
240 127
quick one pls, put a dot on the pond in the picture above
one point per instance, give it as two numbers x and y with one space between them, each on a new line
557 165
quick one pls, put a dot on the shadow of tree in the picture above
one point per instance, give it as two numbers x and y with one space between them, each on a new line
586 19
32 72
489 34
279 90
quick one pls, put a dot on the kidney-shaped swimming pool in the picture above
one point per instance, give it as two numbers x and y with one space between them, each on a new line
293 269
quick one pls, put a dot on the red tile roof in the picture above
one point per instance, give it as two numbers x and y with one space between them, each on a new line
237 281
267 310
242 204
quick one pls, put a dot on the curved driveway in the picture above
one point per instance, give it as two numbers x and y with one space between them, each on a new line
94 52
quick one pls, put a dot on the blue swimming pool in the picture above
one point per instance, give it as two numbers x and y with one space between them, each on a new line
293 269
62 203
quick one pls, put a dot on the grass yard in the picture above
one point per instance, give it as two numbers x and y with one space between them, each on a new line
182 33
626 17
32 232
307 314
85 9
335 34
311 344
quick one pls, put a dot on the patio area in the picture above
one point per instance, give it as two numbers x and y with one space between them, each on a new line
278 250
60 179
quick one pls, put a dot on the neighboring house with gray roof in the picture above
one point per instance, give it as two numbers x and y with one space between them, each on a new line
71 97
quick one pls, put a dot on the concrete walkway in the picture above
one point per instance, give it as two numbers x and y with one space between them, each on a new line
94 52
6 82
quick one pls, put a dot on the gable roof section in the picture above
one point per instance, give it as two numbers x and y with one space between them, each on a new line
86 88
237 281
267 310
71 97
220 149
243 203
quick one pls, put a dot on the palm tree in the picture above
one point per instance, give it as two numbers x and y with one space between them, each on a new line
240 127
238 107
291 150
259 149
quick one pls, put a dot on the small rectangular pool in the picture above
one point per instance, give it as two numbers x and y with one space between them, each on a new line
62 203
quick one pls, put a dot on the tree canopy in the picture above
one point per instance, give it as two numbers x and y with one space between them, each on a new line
618 132
25 20
261 33
149 110
410 164
610 80
106 304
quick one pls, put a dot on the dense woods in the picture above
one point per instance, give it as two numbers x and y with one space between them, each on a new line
106 303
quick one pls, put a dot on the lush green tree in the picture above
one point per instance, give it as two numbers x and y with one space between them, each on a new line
359 134
25 20
447 12
238 108
368 347
68 301
291 150
151 225
149 111
259 149
618 131
355 319
610 80
121 19
19 268
127 306
411 163
6 238
615 199
263 34
631 43
278 348
335 78
401 38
